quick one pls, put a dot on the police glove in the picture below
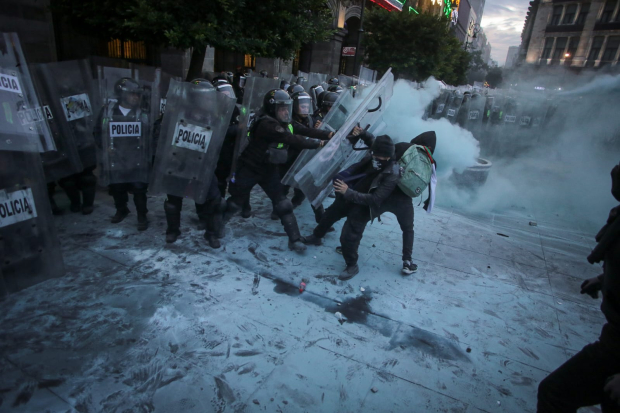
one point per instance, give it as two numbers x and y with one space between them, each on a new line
592 287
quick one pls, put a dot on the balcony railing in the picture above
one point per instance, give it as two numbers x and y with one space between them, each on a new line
564 28
607 26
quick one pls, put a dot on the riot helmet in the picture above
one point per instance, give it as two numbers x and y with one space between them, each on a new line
229 76
263 73
319 98
300 79
302 104
318 89
333 81
329 98
128 92
278 104
200 92
225 88
335 88
284 85
295 89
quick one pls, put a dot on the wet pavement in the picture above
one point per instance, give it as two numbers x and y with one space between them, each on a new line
140 326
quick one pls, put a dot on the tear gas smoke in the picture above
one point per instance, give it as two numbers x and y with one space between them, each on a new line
563 172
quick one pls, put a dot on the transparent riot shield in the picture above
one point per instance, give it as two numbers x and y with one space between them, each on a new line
150 79
255 90
66 93
474 114
367 75
22 122
440 105
344 106
106 78
286 76
315 178
29 247
124 143
454 105
192 134
163 91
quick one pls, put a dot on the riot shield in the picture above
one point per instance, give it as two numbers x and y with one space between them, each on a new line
150 79
315 177
439 104
107 77
475 113
255 90
347 82
163 91
23 121
125 143
29 247
192 134
65 90
367 75
454 105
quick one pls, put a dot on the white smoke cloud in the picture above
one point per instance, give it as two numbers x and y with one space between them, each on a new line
564 172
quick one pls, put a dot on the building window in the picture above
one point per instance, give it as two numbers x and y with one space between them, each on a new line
557 14
569 14
548 46
126 49
611 49
558 53
583 13
595 50
608 11
572 49
249 61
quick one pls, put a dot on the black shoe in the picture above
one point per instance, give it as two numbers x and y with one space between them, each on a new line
297 246
409 267
75 208
120 215
221 232
349 272
202 225
213 241
339 250
297 200
274 216
143 223
171 236
312 240
87 210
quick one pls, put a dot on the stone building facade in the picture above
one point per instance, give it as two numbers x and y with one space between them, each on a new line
577 34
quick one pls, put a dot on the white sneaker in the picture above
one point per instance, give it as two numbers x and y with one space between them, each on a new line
409 267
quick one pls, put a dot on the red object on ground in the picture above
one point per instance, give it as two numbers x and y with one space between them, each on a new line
302 287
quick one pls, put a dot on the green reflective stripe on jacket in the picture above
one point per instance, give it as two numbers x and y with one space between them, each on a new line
290 128
280 146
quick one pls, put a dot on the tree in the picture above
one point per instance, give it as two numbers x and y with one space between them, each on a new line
415 46
274 28
494 77
478 68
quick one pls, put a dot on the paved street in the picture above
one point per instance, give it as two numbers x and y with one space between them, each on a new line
138 325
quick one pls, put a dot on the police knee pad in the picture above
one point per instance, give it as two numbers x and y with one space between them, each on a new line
283 207
171 208
88 181
139 188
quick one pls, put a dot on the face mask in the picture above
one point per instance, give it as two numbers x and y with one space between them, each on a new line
379 164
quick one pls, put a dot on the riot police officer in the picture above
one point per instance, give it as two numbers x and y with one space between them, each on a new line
295 89
270 137
123 136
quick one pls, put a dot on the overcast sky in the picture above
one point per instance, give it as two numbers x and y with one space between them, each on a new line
502 22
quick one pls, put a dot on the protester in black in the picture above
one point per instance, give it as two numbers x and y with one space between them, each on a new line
360 193
592 376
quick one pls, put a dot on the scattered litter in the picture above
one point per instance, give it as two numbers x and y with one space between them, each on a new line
374 390
362 289
533 224
502 235
468 350
315 257
340 317
272 399
559 302
339 304
285 401
374 246
302 285
255 401
499 403
255 284
488 266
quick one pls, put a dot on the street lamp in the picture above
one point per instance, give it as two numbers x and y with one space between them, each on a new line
567 54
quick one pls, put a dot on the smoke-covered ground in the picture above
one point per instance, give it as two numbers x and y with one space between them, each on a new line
564 173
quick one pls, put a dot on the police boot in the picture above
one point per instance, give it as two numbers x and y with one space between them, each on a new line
73 193
173 218
246 211
201 211
88 185
212 211
318 214
139 199
232 208
120 215
284 209
218 219
55 209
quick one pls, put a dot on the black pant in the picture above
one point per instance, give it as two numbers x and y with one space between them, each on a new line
81 187
202 210
358 216
120 193
580 381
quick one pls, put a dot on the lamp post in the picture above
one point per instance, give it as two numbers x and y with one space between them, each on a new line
360 32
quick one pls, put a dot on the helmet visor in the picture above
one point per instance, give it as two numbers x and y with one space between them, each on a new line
302 105
241 81
284 111
318 90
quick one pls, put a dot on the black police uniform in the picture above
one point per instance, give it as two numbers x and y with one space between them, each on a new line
255 167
